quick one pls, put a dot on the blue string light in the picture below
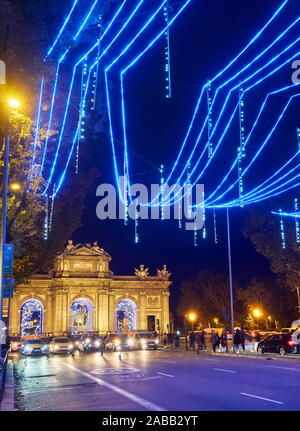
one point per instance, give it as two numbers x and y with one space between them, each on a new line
85 20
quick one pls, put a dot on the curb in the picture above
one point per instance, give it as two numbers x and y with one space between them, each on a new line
259 357
8 400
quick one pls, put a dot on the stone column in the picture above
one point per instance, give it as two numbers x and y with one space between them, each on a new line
103 310
142 318
111 310
48 318
165 324
14 315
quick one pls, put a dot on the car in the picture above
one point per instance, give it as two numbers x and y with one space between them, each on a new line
61 346
16 344
35 347
134 340
89 343
279 343
148 340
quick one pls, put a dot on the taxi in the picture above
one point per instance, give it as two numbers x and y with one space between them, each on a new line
61 345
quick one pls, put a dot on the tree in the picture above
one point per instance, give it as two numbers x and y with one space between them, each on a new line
263 229
207 295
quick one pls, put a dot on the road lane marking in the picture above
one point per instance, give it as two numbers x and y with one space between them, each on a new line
164 374
283 368
225 371
262 398
135 398
170 362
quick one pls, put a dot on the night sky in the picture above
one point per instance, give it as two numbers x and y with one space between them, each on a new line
203 40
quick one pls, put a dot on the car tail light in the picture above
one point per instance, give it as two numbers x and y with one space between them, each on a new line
291 343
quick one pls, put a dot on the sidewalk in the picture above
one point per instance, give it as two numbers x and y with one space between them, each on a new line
7 403
253 355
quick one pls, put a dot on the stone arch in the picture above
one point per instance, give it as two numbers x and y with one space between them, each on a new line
126 315
82 313
31 317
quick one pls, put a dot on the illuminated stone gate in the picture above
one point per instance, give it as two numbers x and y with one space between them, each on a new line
82 294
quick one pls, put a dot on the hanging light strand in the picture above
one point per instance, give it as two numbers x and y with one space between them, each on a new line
282 232
136 224
52 208
241 148
296 205
162 187
215 226
96 72
209 120
167 54
82 113
46 224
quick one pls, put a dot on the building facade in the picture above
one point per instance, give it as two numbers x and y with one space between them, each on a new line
81 294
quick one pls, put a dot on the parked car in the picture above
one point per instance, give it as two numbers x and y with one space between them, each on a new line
279 343
16 344
35 347
61 346
89 343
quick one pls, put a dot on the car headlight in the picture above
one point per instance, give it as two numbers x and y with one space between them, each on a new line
45 347
156 341
97 343
87 340
15 345
143 341
76 342
56 347
26 349
117 342
70 346
130 342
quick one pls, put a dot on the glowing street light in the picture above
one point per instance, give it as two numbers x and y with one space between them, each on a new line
192 318
216 320
15 187
13 103
257 313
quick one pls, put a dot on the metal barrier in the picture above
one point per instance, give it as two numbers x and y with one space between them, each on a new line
3 375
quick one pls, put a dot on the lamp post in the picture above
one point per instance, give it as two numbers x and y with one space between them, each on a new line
12 104
257 313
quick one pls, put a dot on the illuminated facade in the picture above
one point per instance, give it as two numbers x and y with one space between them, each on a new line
81 294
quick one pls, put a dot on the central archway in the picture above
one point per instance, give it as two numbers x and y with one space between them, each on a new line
82 316
126 316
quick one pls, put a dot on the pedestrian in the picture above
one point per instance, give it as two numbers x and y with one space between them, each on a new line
192 340
243 338
177 340
102 345
170 339
203 345
223 341
198 342
165 340
237 340
218 340
213 339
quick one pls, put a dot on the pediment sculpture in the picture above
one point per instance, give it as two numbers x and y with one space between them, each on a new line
141 273
163 274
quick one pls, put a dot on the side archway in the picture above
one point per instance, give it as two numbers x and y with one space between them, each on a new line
32 317
126 316
82 315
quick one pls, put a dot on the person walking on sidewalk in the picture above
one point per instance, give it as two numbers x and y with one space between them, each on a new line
237 340
203 345
198 342
243 338
192 340
223 342
213 339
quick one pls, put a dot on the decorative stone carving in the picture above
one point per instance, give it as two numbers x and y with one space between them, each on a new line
153 300
141 273
163 274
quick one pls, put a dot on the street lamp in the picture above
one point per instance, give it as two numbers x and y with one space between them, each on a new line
13 103
192 318
257 313
15 187
216 320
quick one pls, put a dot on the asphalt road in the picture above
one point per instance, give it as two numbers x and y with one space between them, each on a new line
155 381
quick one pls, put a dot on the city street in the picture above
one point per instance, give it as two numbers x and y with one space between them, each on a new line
155 381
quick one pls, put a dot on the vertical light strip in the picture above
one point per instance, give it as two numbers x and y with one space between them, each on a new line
241 148
162 187
37 130
215 226
46 224
136 223
167 53
282 233
204 233
297 221
52 208
82 113
96 72
209 122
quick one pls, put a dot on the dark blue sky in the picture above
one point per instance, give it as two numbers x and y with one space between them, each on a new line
205 38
